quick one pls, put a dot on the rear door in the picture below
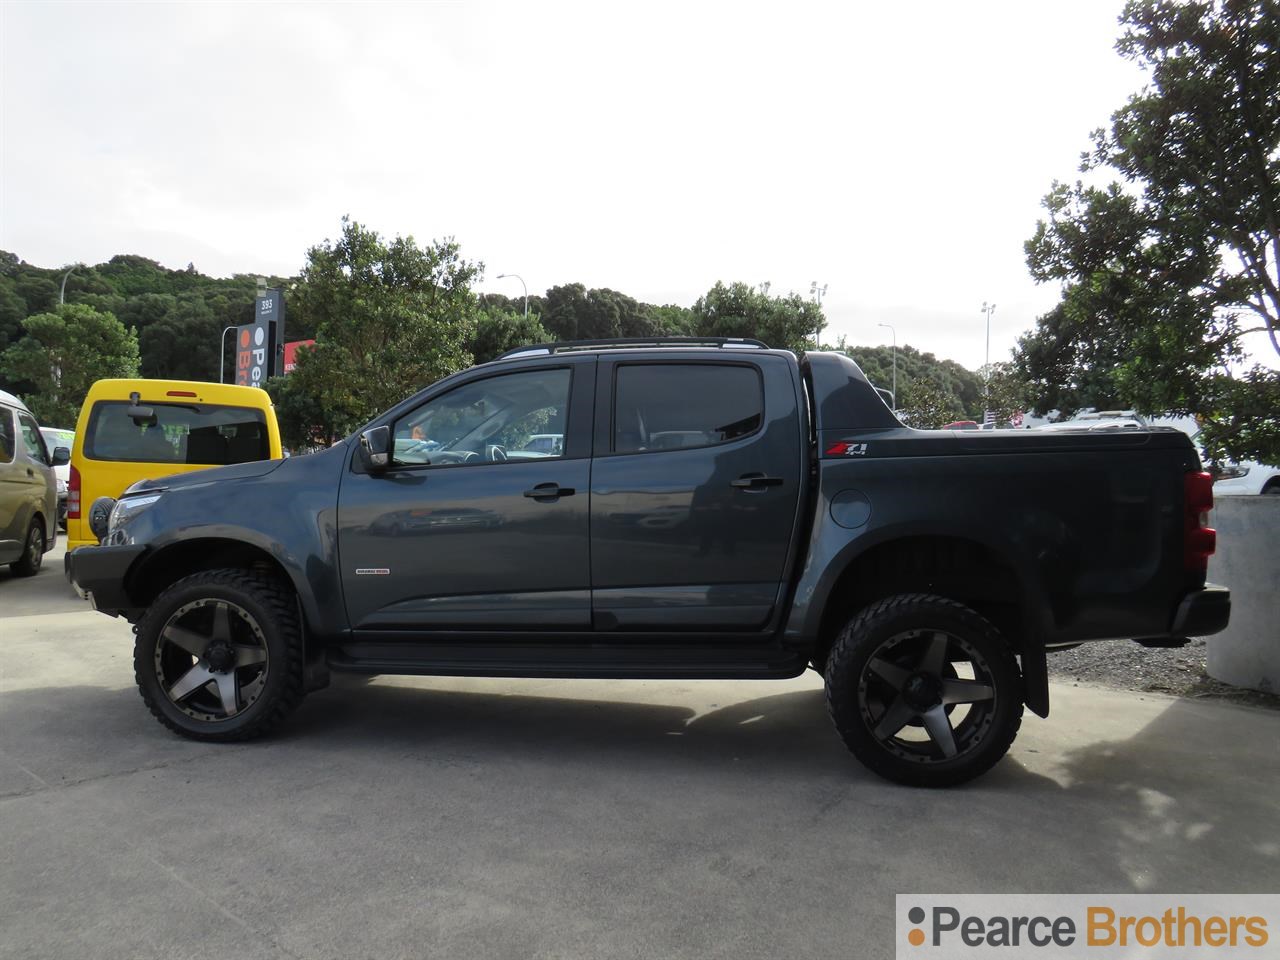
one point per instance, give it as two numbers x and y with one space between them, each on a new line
695 485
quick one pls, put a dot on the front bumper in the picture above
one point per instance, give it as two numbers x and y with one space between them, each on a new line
1202 612
99 575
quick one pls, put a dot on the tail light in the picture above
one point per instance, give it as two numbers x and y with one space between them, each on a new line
73 495
1200 540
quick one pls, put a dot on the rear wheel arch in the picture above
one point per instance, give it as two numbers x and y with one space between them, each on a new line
978 575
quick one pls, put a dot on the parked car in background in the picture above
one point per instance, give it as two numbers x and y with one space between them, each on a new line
55 437
1245 478
28 492
961 425
131 430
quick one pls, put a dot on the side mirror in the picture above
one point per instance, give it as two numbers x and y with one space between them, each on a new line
61 455
375 448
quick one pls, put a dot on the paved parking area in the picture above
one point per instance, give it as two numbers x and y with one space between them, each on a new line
481 818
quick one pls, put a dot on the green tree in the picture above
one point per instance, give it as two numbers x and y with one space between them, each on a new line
739 310
496 333
1165 271
142 310
183 344
925 405
63 353
389 318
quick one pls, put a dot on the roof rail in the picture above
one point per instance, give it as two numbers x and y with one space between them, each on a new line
633 343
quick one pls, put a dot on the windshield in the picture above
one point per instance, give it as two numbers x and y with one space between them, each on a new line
53 437
189 433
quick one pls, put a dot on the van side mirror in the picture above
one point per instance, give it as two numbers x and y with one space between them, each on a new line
61 455
375 448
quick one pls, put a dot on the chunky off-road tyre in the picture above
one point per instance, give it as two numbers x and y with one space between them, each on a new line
219 655
924 691
28 565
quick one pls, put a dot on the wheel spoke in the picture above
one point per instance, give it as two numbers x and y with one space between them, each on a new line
893 674
228 690
246 655
222 622
965 691
189 683
935 656
188 640
895 718
939 727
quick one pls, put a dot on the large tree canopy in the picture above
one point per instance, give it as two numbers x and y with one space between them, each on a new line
739 310
389 318
63 353
1165 271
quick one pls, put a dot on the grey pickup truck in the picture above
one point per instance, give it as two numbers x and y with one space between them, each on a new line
665 508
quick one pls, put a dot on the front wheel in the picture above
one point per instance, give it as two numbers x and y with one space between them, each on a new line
219 655
924 691
32 552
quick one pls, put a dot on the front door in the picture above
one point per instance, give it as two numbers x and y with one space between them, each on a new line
479 524
694 492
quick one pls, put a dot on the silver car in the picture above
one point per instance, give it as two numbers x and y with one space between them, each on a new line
28 492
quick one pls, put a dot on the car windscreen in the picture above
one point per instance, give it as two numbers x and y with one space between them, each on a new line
195 433
54 438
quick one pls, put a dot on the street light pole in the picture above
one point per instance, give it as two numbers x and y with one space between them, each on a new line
503 276
817 292
895 361
988 309
222 353
62 295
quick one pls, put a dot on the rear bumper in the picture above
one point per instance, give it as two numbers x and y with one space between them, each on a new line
99 573
1202 612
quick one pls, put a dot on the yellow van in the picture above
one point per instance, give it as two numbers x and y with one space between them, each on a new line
132 430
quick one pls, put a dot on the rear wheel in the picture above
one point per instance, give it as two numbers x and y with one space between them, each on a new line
28 565
924 691
219 655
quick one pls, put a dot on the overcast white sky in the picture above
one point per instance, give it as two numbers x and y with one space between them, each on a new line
895 152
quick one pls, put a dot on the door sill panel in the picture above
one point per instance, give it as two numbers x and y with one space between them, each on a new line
695 660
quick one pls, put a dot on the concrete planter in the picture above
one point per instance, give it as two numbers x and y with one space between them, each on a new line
1247 653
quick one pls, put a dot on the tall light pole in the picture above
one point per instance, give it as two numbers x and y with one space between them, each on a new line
988 309
817 292
503 276
894 391
62 295
222 353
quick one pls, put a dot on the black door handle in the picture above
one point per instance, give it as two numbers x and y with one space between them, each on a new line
549 491
755 481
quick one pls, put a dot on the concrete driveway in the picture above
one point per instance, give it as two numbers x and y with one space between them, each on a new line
478 818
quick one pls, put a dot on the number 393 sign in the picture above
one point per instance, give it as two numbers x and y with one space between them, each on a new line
256 342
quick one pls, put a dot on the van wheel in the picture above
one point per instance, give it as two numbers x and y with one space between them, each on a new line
924 691
32 552
219 655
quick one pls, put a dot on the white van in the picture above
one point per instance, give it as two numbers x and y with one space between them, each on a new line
28 493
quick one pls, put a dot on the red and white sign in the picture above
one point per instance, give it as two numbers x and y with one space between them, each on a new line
291 353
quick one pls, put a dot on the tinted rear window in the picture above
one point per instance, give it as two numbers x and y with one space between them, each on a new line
203 433
670 406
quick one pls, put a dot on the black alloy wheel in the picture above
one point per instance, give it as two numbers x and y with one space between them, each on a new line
924 691
219 655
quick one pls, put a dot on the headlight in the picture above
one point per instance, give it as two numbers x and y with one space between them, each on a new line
126 509
1231 471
